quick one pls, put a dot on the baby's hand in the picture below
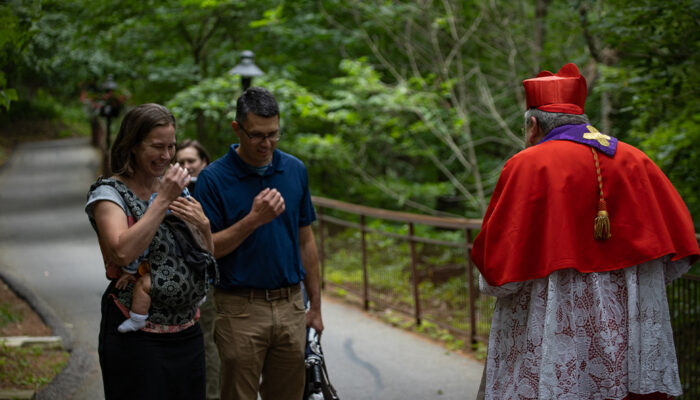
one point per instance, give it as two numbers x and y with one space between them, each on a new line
124 280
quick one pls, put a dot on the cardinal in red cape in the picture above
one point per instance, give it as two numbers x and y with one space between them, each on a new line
578 226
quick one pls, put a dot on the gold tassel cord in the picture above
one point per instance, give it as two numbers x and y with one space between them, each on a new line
601 225
601 230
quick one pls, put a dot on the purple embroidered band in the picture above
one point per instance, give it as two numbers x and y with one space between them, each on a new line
585 134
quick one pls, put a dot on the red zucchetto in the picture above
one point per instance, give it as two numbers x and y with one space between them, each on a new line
563 92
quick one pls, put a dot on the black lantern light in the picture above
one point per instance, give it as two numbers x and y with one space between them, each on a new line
246 69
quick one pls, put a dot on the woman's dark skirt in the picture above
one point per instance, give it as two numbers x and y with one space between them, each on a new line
142 365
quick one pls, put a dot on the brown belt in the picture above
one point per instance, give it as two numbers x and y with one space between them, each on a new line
265 294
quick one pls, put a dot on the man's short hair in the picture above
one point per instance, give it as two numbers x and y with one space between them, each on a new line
258 101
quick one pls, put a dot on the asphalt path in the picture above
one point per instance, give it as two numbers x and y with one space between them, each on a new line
49 253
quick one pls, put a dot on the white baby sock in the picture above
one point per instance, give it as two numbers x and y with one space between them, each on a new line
134 323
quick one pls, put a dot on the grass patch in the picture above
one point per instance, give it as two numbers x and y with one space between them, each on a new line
29 367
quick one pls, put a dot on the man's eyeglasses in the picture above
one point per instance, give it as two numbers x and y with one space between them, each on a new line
257 138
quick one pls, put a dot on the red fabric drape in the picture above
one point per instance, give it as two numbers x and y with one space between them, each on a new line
540 218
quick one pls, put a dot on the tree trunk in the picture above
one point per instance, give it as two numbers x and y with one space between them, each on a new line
540 31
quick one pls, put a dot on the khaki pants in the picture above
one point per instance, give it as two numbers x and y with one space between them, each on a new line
258 339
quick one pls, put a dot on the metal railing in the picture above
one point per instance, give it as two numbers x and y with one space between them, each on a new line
684 304
415 268
410 279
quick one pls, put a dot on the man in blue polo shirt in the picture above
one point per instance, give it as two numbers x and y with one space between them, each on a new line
258 203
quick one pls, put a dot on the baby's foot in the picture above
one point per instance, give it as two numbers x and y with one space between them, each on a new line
134 323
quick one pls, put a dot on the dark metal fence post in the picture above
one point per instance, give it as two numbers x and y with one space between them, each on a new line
365 277
414 272
470 287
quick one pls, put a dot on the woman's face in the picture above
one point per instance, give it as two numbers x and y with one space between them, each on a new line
154 153
188 158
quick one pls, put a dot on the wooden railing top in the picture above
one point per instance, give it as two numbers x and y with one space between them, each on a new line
399 216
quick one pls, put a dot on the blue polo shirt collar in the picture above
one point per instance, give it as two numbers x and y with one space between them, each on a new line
243 170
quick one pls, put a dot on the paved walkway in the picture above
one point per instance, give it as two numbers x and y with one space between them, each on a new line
49 251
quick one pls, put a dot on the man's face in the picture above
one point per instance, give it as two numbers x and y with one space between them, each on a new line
258 138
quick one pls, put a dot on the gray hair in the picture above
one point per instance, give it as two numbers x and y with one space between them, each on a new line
550 120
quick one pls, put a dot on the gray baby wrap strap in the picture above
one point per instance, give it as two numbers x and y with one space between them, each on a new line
176 286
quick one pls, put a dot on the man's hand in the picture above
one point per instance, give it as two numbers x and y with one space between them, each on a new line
267 205
313 319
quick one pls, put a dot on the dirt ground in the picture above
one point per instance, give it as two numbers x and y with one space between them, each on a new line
29 323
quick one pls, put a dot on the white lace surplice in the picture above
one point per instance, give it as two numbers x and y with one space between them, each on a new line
574 336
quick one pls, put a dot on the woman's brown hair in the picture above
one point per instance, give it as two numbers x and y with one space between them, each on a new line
136 125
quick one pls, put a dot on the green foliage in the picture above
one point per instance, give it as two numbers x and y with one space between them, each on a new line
214 99
211 103
400 105
7 95
673 145
44 106
654 81
16 31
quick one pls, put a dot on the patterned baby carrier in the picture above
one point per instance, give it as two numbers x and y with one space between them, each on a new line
181 266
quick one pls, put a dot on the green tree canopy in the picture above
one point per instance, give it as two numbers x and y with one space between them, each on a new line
409 105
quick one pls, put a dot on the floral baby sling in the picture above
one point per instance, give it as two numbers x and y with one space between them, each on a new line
180 267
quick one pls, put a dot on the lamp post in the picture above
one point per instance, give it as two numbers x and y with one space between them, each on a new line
246 69
110 107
